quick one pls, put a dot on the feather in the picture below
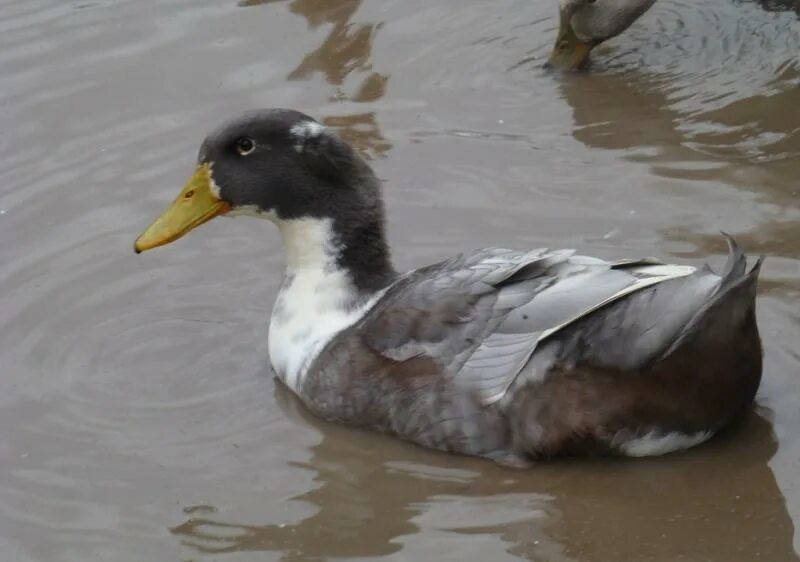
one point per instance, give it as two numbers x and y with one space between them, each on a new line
481 317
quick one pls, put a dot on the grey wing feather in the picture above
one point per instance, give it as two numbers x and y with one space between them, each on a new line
446 310
489 318
636 329
574 291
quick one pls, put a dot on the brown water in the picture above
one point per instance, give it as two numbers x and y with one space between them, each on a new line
138 417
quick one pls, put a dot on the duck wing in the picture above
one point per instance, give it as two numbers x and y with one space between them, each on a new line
482 317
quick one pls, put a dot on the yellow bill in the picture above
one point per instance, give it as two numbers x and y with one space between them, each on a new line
569 52
195 205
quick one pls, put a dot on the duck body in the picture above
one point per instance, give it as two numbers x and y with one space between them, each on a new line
512 356
521 356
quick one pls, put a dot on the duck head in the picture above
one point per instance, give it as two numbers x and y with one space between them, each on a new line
584 24
284 166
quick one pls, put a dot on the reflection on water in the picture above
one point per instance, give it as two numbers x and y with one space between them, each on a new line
369 498
134 397
360 130
695 133
681 108
726 152
346 50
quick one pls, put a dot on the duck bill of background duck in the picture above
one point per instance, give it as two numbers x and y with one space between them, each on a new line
196 204
569 52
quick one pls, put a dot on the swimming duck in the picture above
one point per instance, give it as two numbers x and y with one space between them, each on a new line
584 24
510 355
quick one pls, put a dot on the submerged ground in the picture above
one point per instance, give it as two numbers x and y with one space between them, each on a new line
138 418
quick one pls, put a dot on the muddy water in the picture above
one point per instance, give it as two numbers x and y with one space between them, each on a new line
138 418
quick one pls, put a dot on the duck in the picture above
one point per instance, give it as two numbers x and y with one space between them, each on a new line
513 356
584 24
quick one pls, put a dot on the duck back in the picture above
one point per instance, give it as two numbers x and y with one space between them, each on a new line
519 356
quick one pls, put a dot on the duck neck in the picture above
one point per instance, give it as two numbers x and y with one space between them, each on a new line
331 277
349 263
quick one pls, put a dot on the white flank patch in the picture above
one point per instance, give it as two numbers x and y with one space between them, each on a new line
306 130
317 302
657 443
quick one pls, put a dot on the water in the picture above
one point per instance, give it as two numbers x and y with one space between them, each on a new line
138 418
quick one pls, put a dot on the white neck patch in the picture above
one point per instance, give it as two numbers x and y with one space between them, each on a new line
315 303
309 243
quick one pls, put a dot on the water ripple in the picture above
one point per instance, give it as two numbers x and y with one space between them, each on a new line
135 386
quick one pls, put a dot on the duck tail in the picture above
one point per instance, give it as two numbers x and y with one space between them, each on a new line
730 309
736 265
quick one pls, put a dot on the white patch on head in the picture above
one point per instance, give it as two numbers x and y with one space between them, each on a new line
658 443
306 130
212 185
316 302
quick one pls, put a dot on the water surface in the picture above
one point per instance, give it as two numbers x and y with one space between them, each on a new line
138 417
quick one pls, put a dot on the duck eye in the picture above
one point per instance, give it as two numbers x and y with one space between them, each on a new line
245 146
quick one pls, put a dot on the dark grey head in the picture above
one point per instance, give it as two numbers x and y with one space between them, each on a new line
285 166
283 162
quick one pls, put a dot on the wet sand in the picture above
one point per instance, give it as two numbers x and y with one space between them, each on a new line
139 419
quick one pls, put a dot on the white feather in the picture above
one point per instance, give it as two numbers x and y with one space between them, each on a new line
317 301
655 443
